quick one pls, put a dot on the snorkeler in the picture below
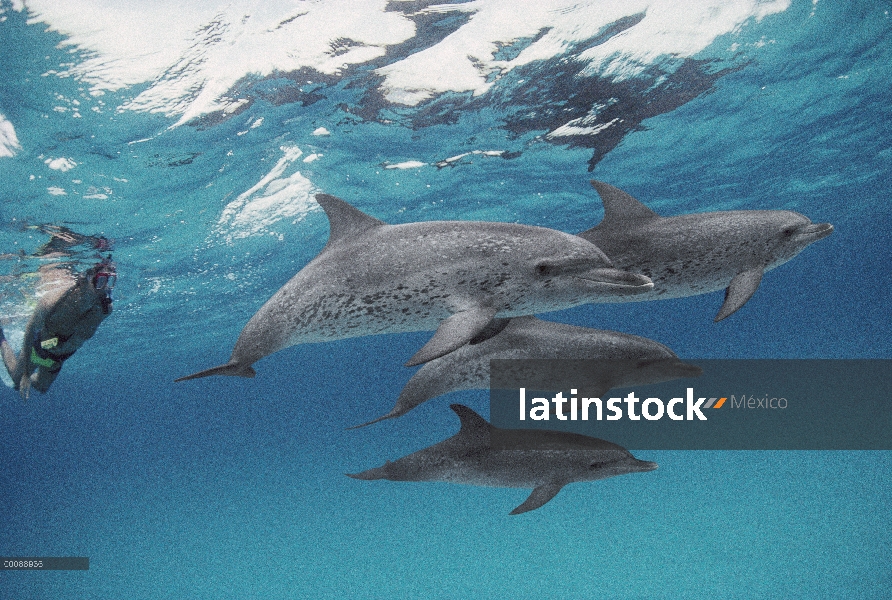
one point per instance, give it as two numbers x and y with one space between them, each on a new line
65 318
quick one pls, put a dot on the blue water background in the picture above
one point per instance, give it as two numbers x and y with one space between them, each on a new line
234 488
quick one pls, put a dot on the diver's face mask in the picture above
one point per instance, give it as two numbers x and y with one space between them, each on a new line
104 280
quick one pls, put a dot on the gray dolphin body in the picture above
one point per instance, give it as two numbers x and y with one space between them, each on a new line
452 276
543 460
701 252
616 360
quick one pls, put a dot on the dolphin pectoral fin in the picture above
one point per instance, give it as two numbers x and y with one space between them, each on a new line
389 415
227 369
538 497
453 333
492 329
741 289
599 390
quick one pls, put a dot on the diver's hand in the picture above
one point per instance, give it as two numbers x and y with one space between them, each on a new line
25 386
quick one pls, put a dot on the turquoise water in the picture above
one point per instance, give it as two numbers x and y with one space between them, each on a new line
234 488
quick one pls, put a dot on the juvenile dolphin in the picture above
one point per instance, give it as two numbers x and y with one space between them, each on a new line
614 360
452 276
700 252
543 460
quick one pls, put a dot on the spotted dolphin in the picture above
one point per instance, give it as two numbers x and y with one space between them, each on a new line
698 253
450 276
526 458
613 359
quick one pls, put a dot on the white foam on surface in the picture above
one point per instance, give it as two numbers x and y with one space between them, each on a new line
409 164
193 54
573 128
464 61
280 194
9 142
60 164
667 30
454 160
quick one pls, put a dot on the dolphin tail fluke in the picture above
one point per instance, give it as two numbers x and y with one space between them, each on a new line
416 392
229 368
370 474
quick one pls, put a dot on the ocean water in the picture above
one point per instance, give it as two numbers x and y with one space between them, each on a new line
195 139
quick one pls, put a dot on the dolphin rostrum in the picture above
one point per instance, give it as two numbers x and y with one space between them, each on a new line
697 253
613 359
452 276
543 460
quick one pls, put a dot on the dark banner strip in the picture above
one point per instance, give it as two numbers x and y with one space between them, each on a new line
781 404
44 563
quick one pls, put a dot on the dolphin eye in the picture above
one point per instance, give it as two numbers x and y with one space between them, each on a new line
543 269
789 231
596 465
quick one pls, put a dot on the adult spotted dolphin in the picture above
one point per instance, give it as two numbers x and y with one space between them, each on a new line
697 253
452 276
613 359
525 458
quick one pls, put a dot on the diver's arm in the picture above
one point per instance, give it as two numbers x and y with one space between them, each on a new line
9 358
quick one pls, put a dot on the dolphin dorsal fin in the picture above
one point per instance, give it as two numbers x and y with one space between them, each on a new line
345 221
472 425
620 207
